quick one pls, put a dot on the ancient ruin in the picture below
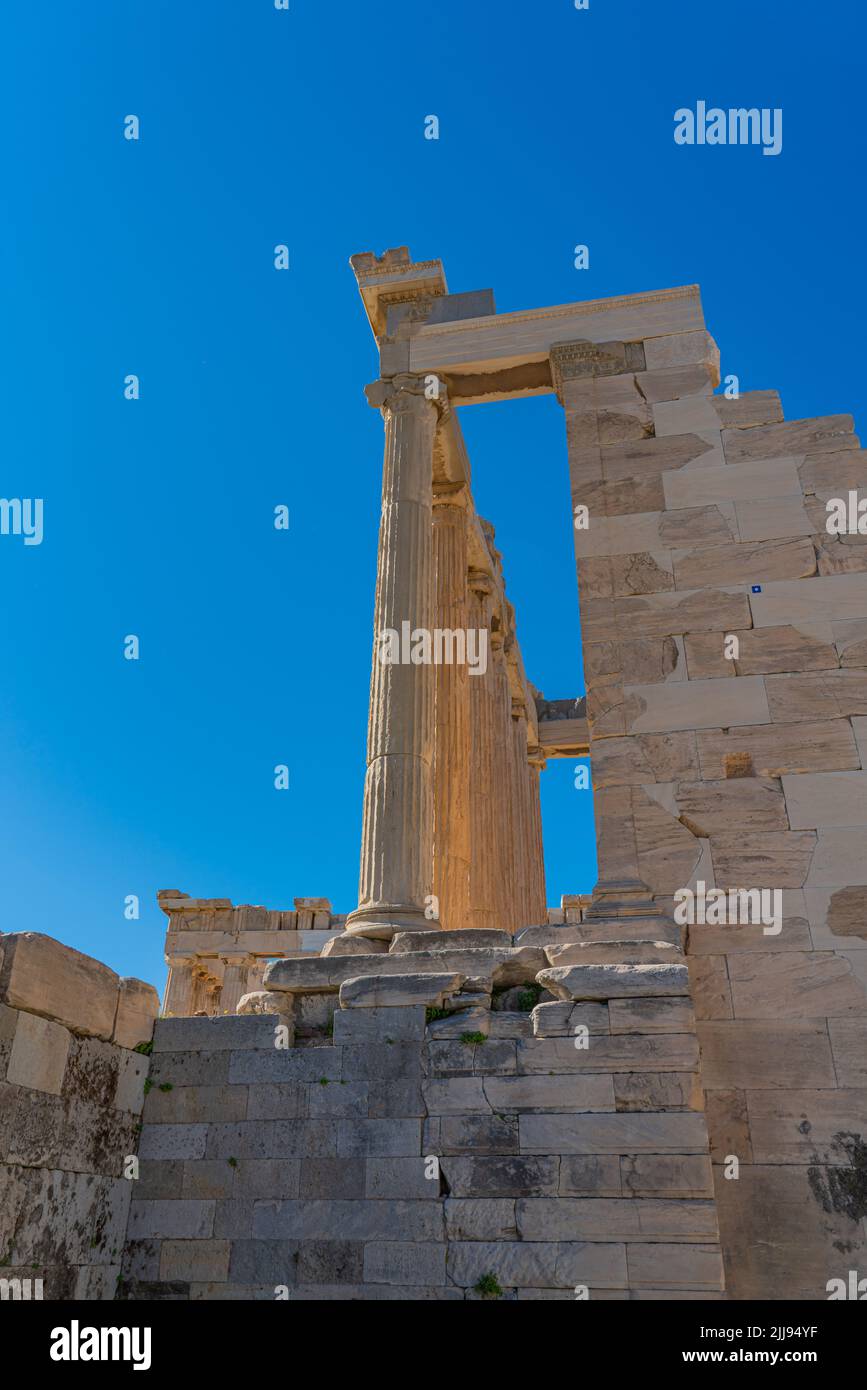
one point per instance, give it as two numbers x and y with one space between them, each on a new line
453 1091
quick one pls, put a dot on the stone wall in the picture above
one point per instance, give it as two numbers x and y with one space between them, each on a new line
71 1093
476 1153
707 520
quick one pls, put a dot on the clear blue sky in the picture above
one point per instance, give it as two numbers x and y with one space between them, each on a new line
259 127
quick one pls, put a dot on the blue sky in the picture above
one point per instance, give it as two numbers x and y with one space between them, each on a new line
155 257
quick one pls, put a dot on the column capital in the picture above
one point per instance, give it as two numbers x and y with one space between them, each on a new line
450 495
406 393
480 582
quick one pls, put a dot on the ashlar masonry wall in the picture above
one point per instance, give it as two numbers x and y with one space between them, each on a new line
71 1093
707 521
476 1153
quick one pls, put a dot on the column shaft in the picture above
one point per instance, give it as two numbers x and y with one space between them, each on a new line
452 746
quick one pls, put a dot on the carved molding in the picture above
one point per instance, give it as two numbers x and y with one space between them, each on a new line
582 360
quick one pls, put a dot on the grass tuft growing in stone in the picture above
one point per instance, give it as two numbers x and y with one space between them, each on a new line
471 1038
489 1286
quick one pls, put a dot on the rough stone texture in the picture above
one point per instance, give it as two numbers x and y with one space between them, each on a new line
69 1115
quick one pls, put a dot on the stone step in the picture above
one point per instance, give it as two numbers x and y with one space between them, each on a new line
397 991
470 938
486 967
615 953
614 981
657 928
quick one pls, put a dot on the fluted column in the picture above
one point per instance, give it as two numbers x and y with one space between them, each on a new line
519 782
482 790
237 965
505 882
452 746
396 875
178 1002
537 904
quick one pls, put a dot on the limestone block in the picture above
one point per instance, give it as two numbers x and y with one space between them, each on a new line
138 1008
681 1132
565 1218
405 1263
611 953
194 1259
690 413
274 1101
173 1141
195 1104
772 750
456 1095
636 458
728 1125
469 938
41 976
828 433
806 1125
740 803
345 944
833 474
129 1092
397 991
826 799
658 1091
622 498
208 1179
263 1001
675 1266
377 1025
763 1056
644 758
38 1057
208 1035
575 1093
501 966
679 349
289 1064
504 1176
671 383
662 1052
749 408
664 615
768 650
362 1220
379 1138
744 563
184 1219
708 940
772 518
189 1068
614 981
829 695
562 1019
822 599
731 482
667 1175
480 1218
794 984
771 859
779 1234
704 704
849 1046
473 1020
647 1016
474 1134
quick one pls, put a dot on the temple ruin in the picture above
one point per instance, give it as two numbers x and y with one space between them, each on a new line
454 1091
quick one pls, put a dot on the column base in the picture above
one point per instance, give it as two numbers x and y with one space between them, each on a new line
625 897
382 921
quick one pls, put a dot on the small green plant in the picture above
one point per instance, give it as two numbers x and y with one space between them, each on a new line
323 1081
473 1038
148 1085
232 1162
529 997
144 1048
489 1286
167 1086
431 1015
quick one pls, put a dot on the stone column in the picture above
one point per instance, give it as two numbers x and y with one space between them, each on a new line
519 782
504 843
538 908
482 792
396 879
178 1002
237 966
451 872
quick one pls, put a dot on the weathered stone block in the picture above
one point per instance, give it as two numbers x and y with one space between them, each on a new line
185 1219
376 1025
575 1092
38 1056
173 1141
577 1218
405 1263
681 1132
651 1016
794 984
384 1138
774 749
341 1220
194 1259
478 1218
398 991
41 976
138 1007
506 1176
765 1056
560 1020
614 981
675 1266
667 1175
404 1177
